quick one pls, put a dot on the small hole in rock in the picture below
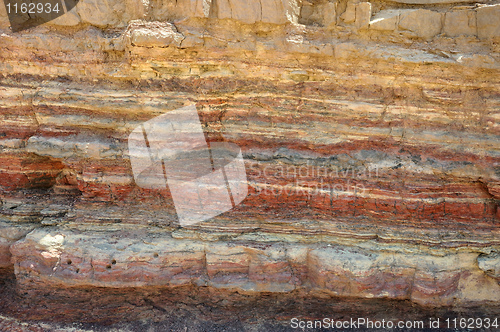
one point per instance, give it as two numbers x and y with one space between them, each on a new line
155 254
77 270
108 267
69 262
113 262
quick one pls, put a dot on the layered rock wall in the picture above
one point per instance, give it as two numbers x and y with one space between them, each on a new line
370 133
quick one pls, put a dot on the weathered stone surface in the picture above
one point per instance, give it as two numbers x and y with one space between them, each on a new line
346 50
162 10
352 273
111 12
478 61
122 257
155 35
385 20
245 11
460 22
71 18
363 15
490 264
4 19
349 15
28 171
488 25
329 14
422 22
10 233
494 188
268 11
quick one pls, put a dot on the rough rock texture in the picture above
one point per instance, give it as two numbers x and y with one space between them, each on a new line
370 133
137 257
460 22
488 25
422 22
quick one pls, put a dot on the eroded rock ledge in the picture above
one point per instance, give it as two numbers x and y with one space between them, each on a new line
369 130
122 256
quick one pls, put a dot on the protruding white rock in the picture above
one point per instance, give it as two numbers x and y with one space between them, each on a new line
385 20
268 11
156 35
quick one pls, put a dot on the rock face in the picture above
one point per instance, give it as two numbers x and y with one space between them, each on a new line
422 22
487 26
267 11
370 134
121 257
110 13
460 22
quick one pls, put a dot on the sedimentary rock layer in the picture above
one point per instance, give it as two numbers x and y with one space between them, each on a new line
121 256
370 135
